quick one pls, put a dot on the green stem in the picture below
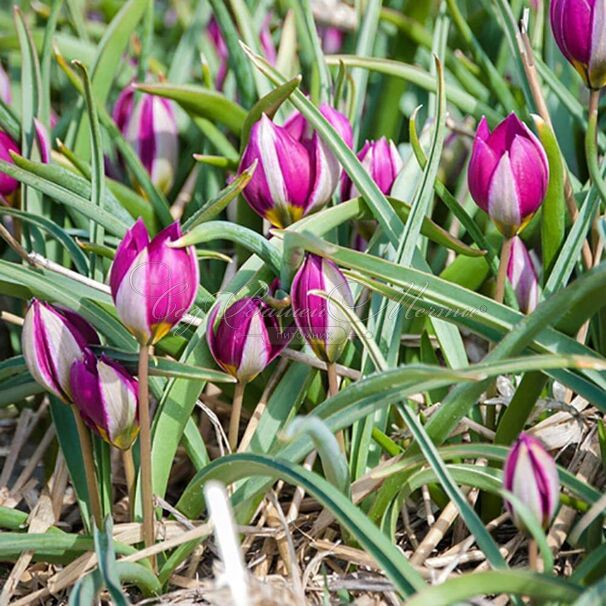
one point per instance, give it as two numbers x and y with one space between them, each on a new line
591 145
89 468
236 412
147 496
502 274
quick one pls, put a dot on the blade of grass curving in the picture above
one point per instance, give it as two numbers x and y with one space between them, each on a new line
107 61
462 99
365 42
217 204
76 254
45 61
268 105
9 121
223 230
201 102
473 522
97 234
232 468
541 587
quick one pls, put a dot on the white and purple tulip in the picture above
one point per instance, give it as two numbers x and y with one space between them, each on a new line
382 162
53 338
7 184
320 320
151 129
531 474
522 274
508 174
152 284
579 29
279 190
105 393
246 338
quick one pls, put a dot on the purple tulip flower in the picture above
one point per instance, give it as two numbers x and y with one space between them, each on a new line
151 129
53 338
7 184
106 396
579 28
381 161
323 324
508 174
246 338
152 284
522 274
531 475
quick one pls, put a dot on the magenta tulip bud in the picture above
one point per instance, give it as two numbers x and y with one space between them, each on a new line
151 129
218 41
53 339
123 108
279 190
381 161
246 338
531 475
299 128
7 184
579 28
321 321
508 174
107 397
5 87
332 39
152 284
522 274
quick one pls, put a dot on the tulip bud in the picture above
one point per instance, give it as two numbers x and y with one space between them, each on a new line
151 129
123 108
246 338
106 396
5 87
7 184
218 42
332 39
53 339
579 28
152 284
279 189
299 128
531 475
523 276
323 324
381 161
508 174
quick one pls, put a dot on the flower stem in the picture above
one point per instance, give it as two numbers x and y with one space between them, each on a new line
333 390
533 555
236 411
147 496
89 469
591 144
129 475
502 275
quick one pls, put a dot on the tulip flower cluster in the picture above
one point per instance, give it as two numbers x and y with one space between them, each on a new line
531 475
151 129
297 173
508 174
55 344
579 28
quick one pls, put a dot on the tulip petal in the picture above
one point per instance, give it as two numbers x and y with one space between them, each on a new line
256 349
482 166
118 392
597 62
135 240
523 276
86 393
503 200
7 184
326 172
172 278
